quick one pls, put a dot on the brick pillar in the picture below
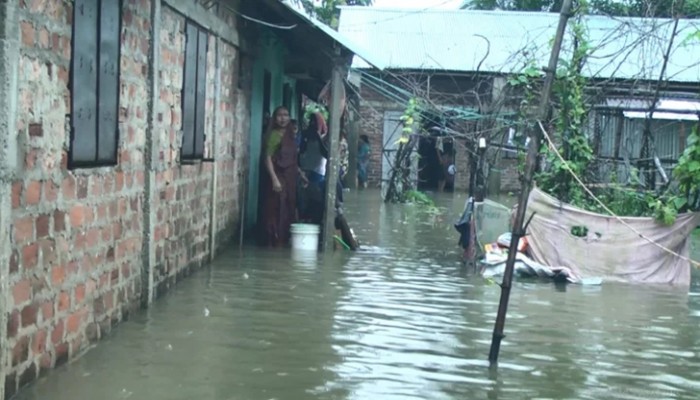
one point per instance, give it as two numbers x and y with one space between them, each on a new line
9 56
151 158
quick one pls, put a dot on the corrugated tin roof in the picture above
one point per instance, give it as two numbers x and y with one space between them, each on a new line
459 40
343 40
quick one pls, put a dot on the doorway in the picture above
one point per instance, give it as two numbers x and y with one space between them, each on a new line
436 155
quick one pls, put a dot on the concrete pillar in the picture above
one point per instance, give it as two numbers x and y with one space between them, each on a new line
215 150
151 158
9 65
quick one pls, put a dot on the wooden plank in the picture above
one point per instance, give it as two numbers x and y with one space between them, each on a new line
83 148
353 140
108 78
200 101
189 93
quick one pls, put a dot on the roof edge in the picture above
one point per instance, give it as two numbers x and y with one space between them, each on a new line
342 39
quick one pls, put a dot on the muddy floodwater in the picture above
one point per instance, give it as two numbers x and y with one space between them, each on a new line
400 320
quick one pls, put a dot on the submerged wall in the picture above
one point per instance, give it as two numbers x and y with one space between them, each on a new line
83 247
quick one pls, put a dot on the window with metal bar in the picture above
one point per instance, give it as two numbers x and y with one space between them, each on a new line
194 93
94 83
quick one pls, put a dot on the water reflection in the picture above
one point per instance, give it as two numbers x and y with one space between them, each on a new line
401 319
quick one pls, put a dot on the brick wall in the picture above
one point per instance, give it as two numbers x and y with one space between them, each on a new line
373 106
78 236
183 205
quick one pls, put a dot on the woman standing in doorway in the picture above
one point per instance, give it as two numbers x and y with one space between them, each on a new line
280 161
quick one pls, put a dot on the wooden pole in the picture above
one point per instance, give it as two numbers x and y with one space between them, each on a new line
530 167
333 153
353 138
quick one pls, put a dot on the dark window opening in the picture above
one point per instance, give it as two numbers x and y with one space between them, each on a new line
94 83
194 93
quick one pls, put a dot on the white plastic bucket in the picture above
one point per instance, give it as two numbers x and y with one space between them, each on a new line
305 237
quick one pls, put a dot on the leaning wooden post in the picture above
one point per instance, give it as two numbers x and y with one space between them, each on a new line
333 153
530 166
353 138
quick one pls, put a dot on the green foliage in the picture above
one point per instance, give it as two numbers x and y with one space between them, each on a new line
569 135
571 115
579 231
631 8
410 119
327 10
421 199
691 38
311 109
416 197
687 174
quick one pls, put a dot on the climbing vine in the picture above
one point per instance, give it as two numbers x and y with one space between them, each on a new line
570 117
400 184
687 174
568 131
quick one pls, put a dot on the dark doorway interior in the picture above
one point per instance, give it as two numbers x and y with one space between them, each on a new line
287 96
431 169
267 96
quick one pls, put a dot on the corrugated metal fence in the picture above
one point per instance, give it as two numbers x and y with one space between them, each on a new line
670 139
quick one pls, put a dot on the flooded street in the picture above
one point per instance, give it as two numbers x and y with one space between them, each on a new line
400 320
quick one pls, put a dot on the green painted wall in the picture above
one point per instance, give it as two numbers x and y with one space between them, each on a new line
270 58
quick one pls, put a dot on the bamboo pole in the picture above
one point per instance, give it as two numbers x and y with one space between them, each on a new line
530 166
333 153
353 138
648 150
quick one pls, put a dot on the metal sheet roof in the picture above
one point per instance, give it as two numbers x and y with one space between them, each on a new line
461 40
349 43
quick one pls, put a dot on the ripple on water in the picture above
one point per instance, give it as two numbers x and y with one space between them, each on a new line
400 319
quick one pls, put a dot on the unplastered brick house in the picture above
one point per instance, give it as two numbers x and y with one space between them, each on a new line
128 129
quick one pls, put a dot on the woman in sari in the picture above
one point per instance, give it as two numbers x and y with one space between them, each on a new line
280 165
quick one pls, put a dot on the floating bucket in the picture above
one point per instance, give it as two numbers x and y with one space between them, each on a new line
305 237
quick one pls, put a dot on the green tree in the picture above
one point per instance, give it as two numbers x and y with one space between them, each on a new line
327 10
631 8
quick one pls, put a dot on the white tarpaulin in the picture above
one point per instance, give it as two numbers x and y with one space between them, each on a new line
610 250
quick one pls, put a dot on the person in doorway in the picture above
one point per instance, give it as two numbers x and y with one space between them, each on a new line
280 161
313 152
363 153
313 157
446 170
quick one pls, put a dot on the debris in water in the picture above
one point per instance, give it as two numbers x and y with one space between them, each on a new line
225 299
245 275
169 347
206 312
